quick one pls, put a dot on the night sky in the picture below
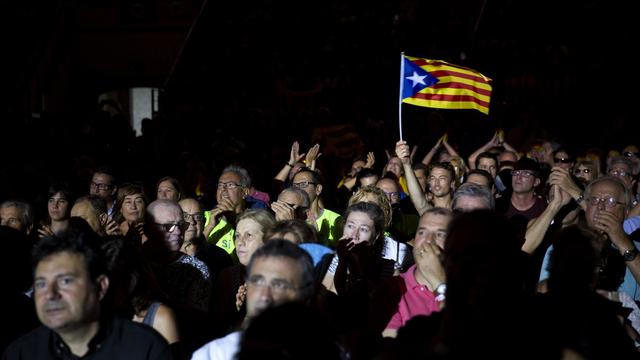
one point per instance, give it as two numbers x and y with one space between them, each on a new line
561 70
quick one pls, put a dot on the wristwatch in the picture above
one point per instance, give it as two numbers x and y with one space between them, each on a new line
440 292
630 254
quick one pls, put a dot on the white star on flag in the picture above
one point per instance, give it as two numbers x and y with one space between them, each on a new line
417 79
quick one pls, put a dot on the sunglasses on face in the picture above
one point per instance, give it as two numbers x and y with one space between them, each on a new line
629 154
581 171
563 160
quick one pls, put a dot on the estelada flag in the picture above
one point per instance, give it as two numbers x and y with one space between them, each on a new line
439 84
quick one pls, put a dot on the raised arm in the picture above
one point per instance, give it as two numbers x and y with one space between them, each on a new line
537 228
415 191
450 149
312 155
294 157
471 161
350 181
427 158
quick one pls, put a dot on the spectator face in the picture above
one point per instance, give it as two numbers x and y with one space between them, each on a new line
371 180
58 207
249 237
66 297
432 227
169 226
356 167
390 189
584 173
440 182
478 180
166 191
359 227
488 165
467 203
605 197
229 188
421 176
192 212
102 185
395 166
622 172
273 280
523 181
133 207
296 201
304 180
563 160
12 217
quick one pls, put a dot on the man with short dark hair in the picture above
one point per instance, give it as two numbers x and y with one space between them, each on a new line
523 202
70 281
278 272
103 184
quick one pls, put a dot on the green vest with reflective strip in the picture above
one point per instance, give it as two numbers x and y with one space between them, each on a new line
222 234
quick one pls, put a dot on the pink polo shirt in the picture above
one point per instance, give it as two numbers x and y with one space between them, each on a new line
417 300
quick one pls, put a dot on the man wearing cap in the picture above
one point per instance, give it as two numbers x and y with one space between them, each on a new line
524 201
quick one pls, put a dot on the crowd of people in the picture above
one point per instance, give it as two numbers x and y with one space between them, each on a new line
529 254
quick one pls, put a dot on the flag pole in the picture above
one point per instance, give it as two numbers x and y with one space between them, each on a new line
401 91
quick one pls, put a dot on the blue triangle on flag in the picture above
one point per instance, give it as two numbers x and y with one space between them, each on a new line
415 79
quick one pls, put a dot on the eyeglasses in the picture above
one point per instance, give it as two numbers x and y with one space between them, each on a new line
620 173
303 184
228 185
195 217
563 160
101 187
609 203
277 286
171 227
578 171
523 173
629 154
393 195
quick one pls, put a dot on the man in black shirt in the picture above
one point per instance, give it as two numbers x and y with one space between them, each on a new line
70 281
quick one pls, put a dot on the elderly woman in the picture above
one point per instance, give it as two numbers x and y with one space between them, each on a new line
227 307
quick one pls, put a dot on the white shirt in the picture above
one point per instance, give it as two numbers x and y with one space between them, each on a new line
224 348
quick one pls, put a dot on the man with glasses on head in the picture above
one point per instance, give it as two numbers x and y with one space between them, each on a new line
327 222
103 185
182 277
278 272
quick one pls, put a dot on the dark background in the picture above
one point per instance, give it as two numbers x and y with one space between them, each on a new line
233 73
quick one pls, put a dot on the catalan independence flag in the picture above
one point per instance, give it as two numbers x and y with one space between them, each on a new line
438 84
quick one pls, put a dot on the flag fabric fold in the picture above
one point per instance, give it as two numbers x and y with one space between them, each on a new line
439 84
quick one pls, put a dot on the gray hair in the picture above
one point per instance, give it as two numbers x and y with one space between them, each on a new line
25 209
245 179
628 196
305 197
476 191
